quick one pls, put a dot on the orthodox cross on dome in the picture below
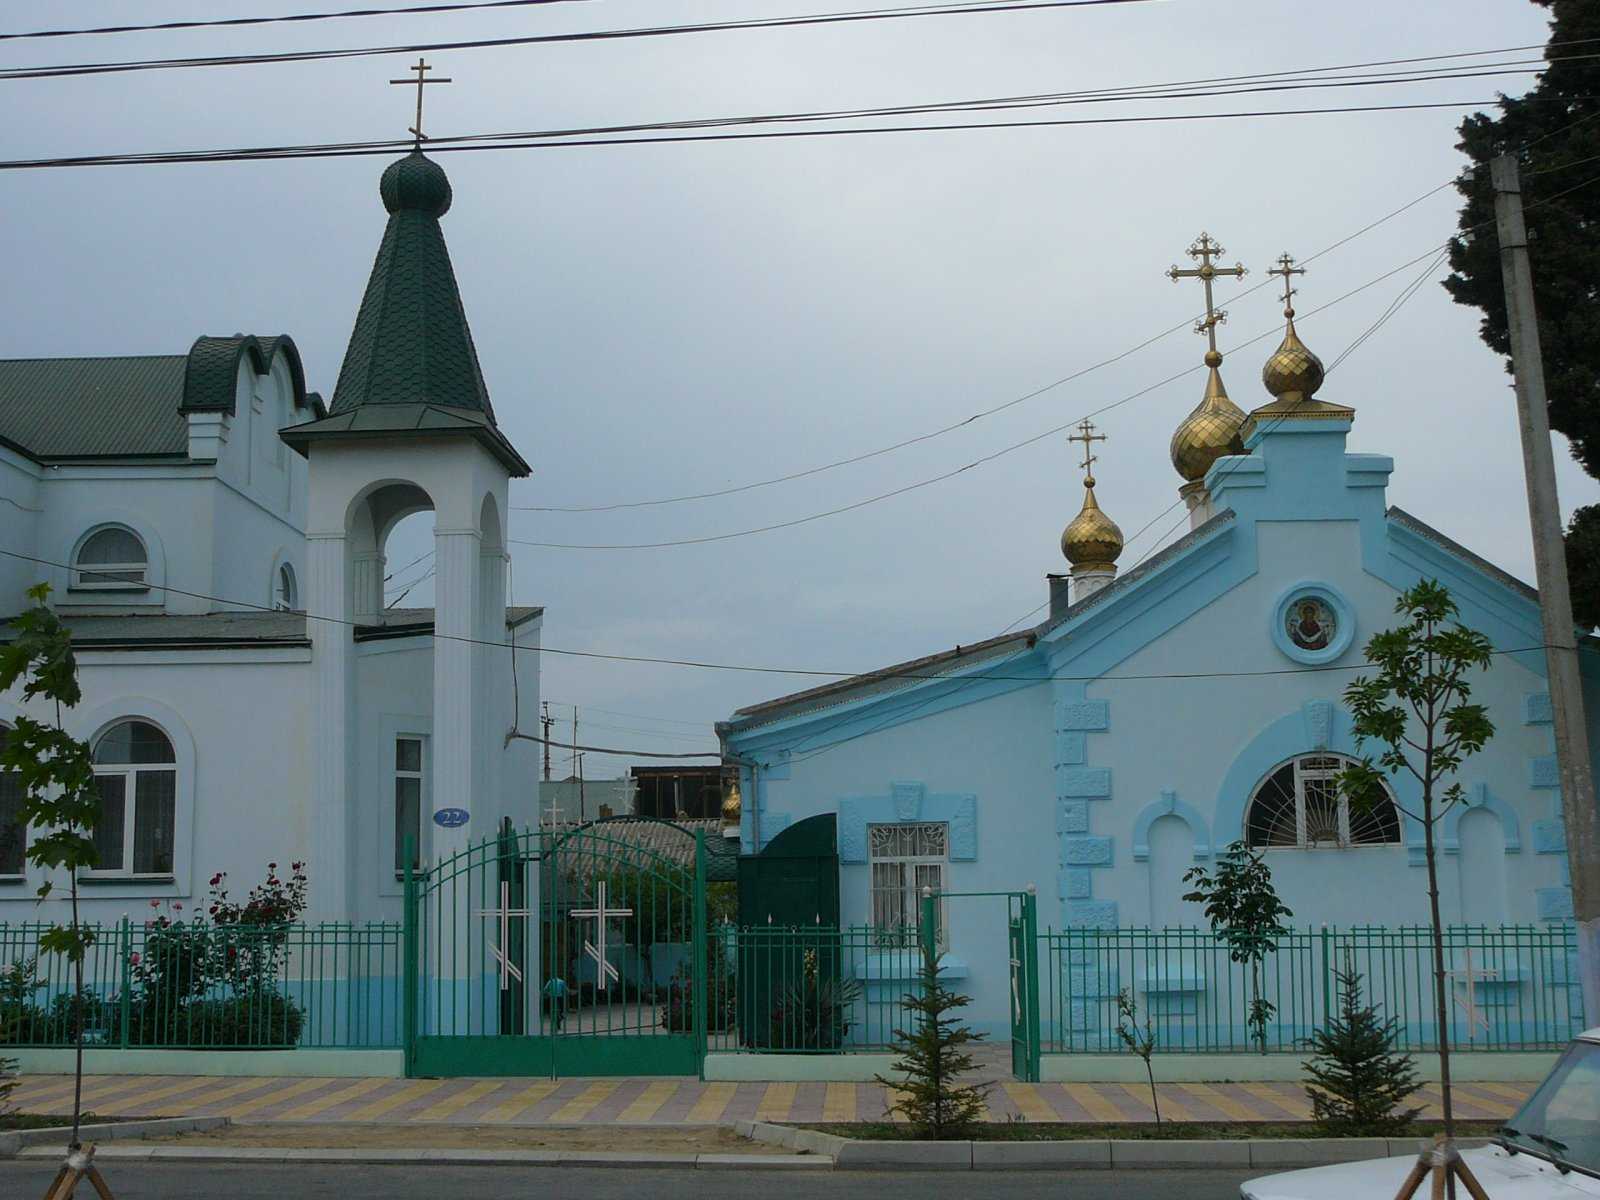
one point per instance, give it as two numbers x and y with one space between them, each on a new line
502 952
1286 268
597 948
422 68
1204 249
1087 436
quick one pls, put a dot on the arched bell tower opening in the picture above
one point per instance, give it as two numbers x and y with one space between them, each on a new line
410 430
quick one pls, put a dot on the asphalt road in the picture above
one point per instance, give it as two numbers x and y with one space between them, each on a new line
317 1181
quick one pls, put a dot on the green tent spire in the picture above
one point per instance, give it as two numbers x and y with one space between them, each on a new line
410 367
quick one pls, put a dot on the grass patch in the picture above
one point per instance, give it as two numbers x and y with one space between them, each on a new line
1186 1131
10 1122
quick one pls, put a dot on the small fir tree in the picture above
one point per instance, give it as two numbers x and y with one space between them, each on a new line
1245 912
1141 1041
932 1058
1358 1080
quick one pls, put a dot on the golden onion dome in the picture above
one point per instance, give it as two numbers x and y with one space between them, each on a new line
732 806
1091 539
1210 431
1293 372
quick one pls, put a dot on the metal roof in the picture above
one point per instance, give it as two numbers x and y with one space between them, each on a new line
66 408
225 630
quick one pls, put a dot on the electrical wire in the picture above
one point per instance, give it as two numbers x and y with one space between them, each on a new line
976 7
291 18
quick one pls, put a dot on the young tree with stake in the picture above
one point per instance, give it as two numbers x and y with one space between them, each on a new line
1416 708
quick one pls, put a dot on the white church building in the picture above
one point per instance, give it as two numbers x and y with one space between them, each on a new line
189 511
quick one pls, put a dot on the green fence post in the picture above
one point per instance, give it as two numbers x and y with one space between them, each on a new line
1030 959
125 942
410 981
930 924
700 981
1327 977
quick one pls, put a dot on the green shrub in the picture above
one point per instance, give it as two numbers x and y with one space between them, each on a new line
813 1014
260 1018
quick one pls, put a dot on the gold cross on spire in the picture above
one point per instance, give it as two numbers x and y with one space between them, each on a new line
419 82
1286 268
1203 251
1087 436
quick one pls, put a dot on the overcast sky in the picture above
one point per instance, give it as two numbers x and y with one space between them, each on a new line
661 320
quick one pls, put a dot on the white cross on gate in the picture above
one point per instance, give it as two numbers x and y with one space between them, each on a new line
1470 976
502 953
600 913
1016 995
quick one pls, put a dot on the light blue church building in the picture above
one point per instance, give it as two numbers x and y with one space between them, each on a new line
1098 755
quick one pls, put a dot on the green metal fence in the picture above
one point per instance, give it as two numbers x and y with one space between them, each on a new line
188 986
1511 987
808 990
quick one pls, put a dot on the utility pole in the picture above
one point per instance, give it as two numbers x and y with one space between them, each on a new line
1550 567
582 813
548 722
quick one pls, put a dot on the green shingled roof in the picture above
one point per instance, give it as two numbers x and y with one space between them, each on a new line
56 409
411 367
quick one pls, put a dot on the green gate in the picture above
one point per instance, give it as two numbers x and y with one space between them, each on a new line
1022 940
560 952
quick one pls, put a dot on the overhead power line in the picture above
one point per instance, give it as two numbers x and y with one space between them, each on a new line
975 7
290 18
908 674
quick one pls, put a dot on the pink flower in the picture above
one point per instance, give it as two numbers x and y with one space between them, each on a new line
177 906
155 903
134 958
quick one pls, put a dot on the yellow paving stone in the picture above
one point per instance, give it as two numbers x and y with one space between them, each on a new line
1096 1105
776 1102
323 1103
1029 1102
164 1093
648 1102
891 1097
839 1102
276 1096
104 1088
1295 1106
238 1088
404 1093
526 1098
1471 1108
1515 1092
456 1101
584 1103
708 1109
1221 1101
1171 1109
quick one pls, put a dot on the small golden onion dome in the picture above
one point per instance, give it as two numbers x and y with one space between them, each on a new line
732 806
1293 372
1091 539
1210 431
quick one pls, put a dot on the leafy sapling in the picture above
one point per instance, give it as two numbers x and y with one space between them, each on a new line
1245 912
1141 1041
59 799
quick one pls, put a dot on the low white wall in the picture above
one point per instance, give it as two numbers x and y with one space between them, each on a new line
308 1063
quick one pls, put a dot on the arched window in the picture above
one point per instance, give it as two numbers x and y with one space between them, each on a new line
1300 804
285 591
13 831
111 558
137 776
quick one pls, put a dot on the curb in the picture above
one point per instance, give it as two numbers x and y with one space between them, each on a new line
1084 1154
14 1143
462 1158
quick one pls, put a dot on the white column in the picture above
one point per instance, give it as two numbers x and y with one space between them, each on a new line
494 683
333 662
366 585
457 703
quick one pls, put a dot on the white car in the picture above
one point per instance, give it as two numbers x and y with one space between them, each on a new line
1549 1151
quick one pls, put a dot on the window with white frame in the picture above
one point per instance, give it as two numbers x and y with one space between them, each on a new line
285 589
905 859
410 783
136 774
1300 805
13 831
112 558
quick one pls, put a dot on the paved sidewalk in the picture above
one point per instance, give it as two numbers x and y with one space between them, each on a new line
676 1101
